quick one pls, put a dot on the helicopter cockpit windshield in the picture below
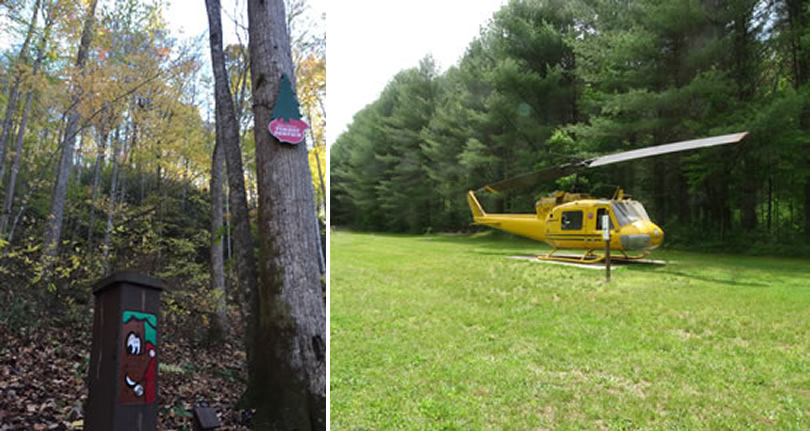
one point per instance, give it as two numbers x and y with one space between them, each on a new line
627 212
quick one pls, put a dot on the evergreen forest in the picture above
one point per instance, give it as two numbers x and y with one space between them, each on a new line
547 81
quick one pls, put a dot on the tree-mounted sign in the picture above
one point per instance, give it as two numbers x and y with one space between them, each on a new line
286 124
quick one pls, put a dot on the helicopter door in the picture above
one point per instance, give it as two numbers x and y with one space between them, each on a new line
570 233
599 213
592 235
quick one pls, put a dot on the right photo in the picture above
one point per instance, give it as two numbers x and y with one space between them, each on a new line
582 214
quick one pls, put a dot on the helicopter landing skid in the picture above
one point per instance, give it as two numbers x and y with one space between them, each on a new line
590 257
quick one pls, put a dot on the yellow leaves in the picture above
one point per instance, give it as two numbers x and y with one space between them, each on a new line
310 74
317 159
317 155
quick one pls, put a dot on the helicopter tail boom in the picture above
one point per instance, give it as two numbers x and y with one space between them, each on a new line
475 206
526 225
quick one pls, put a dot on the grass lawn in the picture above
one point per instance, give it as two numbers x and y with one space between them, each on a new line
445 332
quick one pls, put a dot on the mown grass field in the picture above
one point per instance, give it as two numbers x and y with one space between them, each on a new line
445 332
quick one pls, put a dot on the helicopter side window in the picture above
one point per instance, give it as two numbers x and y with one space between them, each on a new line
571 220
599 213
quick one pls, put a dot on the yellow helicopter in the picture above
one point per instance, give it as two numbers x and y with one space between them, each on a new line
574 220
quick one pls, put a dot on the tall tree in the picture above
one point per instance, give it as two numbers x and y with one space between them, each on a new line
217 225
14 92
246 271
17 154
113 199
290 385
101 146
54 229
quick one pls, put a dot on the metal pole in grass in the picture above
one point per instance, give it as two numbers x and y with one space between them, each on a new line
606 237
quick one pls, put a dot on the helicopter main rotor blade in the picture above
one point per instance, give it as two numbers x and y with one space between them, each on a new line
532 178
552 173
666 148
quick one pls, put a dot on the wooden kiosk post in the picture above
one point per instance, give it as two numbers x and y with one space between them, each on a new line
124 354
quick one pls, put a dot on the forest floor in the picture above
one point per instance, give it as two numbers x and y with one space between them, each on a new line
447 332
43 377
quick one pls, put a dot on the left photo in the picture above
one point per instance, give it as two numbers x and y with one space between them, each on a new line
162 229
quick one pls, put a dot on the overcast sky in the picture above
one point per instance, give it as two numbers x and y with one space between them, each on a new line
369 41
189 19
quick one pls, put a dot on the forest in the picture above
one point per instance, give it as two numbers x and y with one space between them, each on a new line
126 147
548 81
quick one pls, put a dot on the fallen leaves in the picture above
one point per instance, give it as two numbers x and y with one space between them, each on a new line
37 388
43 382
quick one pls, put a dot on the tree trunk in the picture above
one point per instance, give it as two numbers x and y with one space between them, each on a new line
217 256
126 151
749 198
102 146
141 181
291 386
24 204
770 201
111 210
321 181
807 199
29 98
54 229
246 272
659 190
14 92
227 220
78 158
15 166
322 184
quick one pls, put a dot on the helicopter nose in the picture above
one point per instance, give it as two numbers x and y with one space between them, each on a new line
642 235
656 235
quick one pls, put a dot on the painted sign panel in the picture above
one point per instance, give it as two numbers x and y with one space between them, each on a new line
606 227
138 374
286 124
291 131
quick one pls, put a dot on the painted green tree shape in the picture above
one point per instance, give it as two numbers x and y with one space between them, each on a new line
287 107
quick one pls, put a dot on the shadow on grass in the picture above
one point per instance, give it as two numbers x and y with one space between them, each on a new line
666 271
485 239
494 243
487 244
